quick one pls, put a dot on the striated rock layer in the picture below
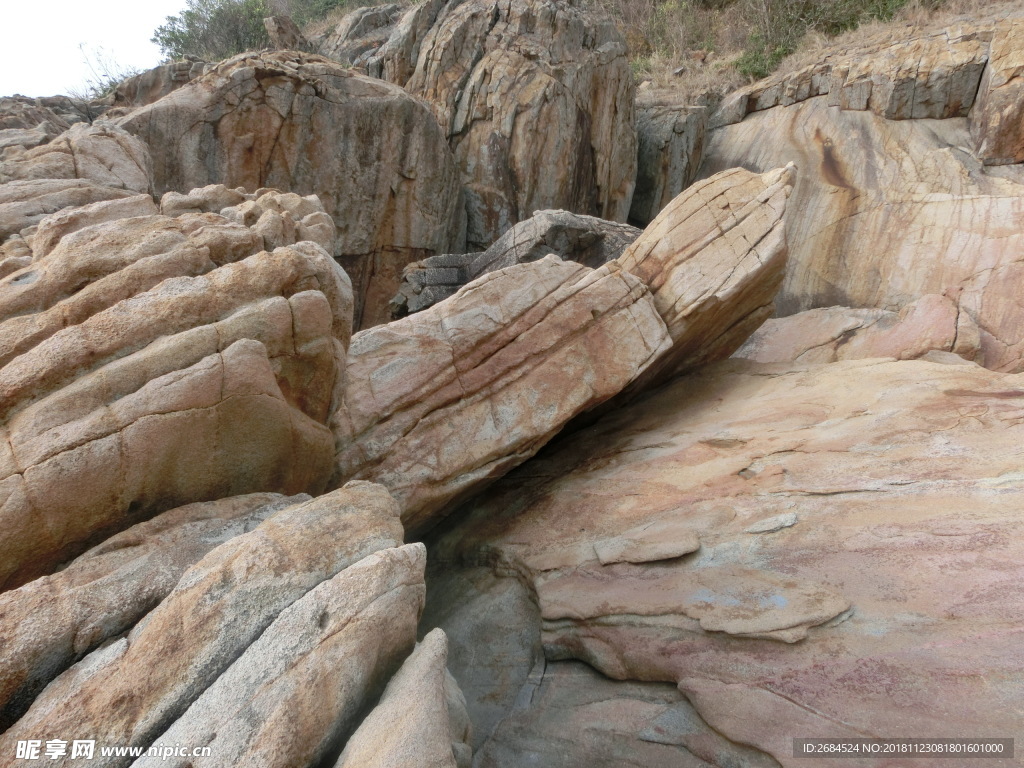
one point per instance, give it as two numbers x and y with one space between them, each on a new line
859 545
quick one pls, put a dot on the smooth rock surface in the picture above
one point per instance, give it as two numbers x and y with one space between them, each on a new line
904 482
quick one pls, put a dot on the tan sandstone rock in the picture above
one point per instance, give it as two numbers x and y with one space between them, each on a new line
420 720
894 215
285 34
442 402
154 84
299 689
714 259
997 121
515 85
219 608
303 124
860 543
102 153
51 622
24 203
930 324
151 362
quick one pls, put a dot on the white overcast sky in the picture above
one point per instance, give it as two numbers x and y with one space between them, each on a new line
40 55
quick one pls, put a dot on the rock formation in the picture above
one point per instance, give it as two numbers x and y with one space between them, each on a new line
584 239
513 85
153 84
303 124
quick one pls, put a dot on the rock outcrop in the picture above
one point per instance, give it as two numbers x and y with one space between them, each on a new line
440 403
574 237
421 718
859 542
200 634
153 84
670 146
50 623
360 34
151 362
304 124
285 34
515 85
101 153
714 260
930 324
24 203
997 122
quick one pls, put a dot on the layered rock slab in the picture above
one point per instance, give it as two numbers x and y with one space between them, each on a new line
218 609
301 123
888 487
152 362
930 324
894 215
442 402
997 121
51 622
295 695
514 84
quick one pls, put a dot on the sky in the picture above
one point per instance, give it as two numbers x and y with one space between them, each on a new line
40 54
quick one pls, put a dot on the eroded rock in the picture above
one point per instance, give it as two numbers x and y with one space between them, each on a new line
997 121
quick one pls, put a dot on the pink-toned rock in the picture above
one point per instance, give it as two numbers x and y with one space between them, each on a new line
52 228
51 622
441 403
24 203
930 324
860 543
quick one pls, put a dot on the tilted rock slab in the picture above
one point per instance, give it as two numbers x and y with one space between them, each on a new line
895 215
587 240
360 34
51 622
151 362
24 203
421 718
442 402
102 153
714 259
516 84
930 324
153 84
670 146
997 120
296 693
131 691
860 547
301 123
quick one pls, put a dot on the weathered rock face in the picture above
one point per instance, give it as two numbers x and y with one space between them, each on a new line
154 84
930 324
303 124
215 615
889 216
102 153
442 402
24 203
52 622
421 718
859 546
296 693
151 362
360 34
670 146
584 239
285 34
997 122
23 113
515 84
714 260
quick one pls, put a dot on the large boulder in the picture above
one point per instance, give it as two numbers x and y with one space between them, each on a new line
153 84
232 604
301 123
51 622
858 545
883 220
440 403
515 86
155 361
587 240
